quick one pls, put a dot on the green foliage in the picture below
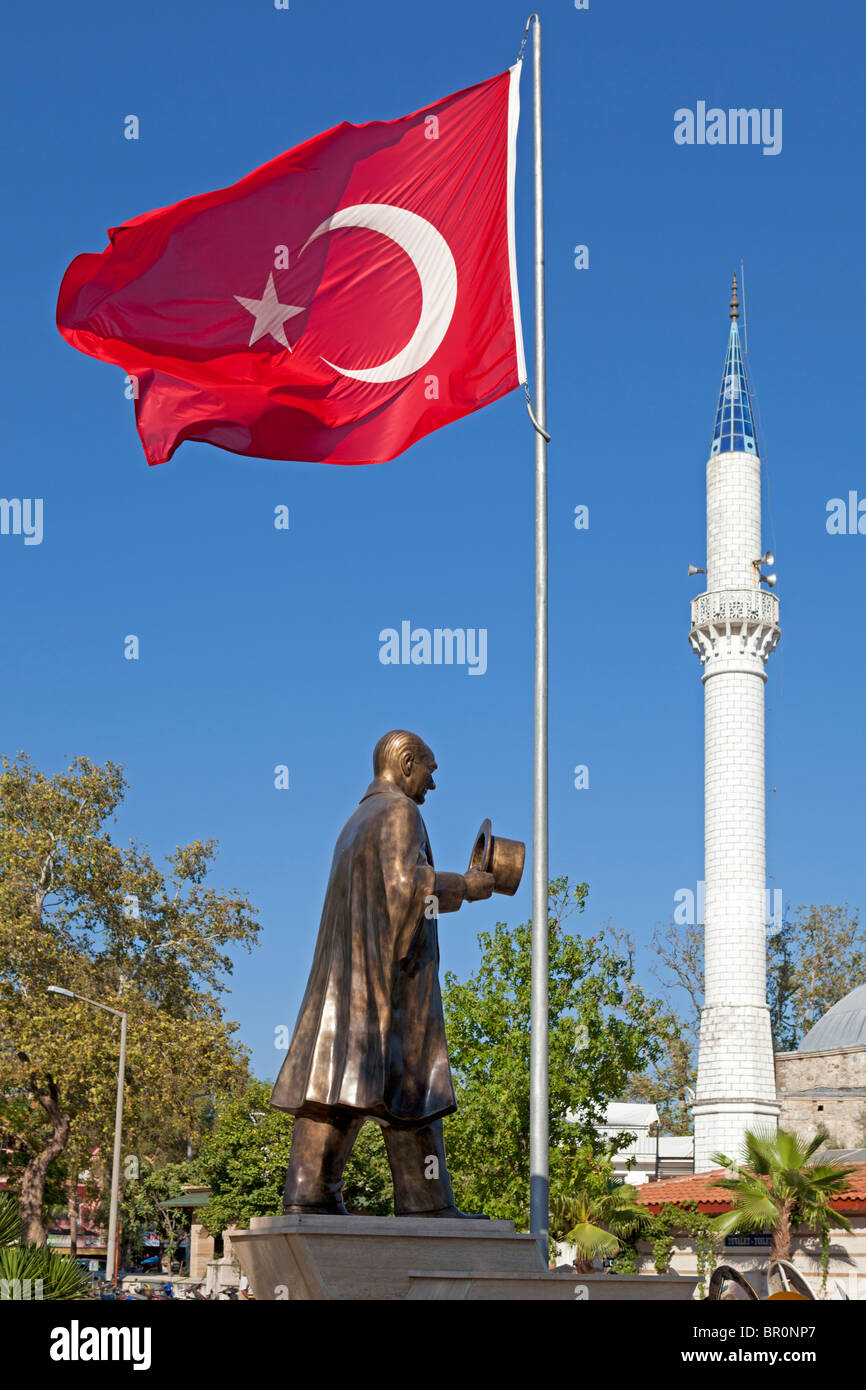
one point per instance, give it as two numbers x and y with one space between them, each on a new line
626 1262
140 1209
244 1159
79 911
60 1277
367 1186
667 1085
811 963
776 1186
663 1228
669 1082
597 1217
603 1028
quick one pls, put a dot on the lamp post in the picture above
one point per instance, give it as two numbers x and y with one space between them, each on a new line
111 1252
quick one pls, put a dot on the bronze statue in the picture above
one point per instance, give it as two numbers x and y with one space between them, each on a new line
369 1043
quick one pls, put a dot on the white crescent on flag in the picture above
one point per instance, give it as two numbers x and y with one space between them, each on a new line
431 256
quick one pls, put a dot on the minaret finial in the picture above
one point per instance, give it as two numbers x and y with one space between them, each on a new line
735 303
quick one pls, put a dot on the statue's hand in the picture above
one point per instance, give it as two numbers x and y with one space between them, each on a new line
478 885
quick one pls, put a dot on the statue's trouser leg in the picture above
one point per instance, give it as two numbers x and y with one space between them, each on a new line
320 1151
417 1161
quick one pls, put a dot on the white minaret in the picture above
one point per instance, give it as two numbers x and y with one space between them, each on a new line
735 626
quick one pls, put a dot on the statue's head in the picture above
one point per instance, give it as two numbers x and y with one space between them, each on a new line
405 760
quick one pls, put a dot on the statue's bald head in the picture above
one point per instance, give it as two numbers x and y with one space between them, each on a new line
405 759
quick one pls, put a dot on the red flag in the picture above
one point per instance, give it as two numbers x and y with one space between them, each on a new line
336 304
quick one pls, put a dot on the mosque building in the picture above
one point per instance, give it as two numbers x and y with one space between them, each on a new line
823 1084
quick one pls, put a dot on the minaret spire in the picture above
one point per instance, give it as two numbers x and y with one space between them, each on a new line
735 626
734 430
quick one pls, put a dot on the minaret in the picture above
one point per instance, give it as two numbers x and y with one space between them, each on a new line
735 626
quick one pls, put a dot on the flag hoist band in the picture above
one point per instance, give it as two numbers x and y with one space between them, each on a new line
244 318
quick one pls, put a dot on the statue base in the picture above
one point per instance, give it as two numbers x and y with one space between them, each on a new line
351 1258
370 1257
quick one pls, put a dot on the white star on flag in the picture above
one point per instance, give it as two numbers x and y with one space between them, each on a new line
269 314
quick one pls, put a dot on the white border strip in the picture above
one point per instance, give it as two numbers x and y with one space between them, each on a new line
513 118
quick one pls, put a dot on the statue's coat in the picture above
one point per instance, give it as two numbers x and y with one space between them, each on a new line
370 1035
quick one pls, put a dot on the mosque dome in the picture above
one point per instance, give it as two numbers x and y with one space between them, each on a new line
842 1026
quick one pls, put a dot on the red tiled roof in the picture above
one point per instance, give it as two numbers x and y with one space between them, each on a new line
701 1188
691 1187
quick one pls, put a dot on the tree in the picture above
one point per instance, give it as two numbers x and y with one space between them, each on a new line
104 921
777 1186
142 1211
597 1217
669 1082
603 1028
811 963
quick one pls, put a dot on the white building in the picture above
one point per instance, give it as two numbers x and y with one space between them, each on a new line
734 628
649 1156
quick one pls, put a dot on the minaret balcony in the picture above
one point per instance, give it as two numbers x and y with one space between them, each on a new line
735 622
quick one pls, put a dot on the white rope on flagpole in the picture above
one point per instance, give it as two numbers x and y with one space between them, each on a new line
525 37
529 412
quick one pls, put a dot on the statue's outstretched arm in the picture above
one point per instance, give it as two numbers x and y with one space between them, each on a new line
452 890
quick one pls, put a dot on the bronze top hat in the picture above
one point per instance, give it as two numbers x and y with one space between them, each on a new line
502 858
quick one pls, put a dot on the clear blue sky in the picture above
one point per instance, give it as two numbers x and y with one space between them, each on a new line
260 647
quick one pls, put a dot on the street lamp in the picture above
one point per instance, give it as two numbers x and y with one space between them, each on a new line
110 1254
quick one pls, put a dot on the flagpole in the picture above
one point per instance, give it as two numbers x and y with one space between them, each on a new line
539 1157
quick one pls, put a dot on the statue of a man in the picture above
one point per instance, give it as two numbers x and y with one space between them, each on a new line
369 1043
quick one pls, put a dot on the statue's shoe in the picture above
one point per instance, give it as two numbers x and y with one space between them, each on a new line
450 1213
315 1209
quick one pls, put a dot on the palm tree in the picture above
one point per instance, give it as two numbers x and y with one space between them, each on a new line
777 1187
51 1275
596 1217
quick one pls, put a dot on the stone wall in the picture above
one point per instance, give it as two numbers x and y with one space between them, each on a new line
846 1270
824 1088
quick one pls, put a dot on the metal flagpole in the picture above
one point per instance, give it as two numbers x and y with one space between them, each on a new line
539 1159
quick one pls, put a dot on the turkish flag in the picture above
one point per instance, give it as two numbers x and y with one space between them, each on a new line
336 304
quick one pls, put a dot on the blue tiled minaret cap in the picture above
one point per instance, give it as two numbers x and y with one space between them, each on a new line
735 423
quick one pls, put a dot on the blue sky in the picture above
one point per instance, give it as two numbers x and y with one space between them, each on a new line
260 647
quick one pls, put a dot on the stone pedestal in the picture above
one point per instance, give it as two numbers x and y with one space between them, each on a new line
370 1257
553 1287
222 1274
386 1257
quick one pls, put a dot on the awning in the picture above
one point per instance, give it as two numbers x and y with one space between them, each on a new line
189 1199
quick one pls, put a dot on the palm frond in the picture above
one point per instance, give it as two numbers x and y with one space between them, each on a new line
759 1151
56 1276
726 1223
746 1182
10 1224
829 1178
590 1240
815 1143
757 1210
722 1161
